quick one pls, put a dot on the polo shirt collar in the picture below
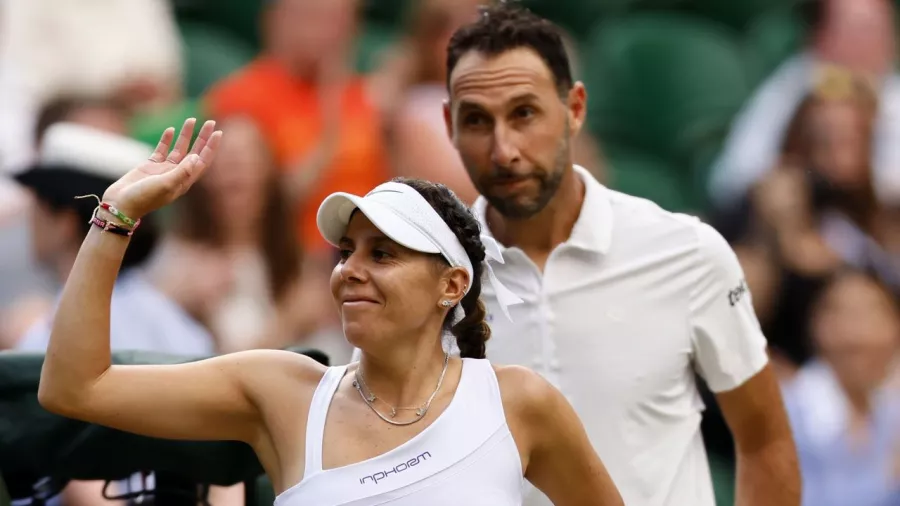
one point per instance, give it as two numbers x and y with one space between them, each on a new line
593 228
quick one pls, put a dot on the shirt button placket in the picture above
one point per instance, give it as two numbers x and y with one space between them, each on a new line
548 348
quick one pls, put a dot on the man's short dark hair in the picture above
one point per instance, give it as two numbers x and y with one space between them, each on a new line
506 26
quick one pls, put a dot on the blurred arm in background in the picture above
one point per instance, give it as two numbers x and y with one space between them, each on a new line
859 35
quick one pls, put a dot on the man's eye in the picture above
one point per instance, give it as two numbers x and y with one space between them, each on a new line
525 112
475 120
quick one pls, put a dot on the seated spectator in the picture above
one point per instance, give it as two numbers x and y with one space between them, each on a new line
13 200
416 68
855 34
318 118
76 160
239 209
69 166
846 421
812 214
25 294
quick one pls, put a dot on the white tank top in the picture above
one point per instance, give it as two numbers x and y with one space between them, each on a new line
465 457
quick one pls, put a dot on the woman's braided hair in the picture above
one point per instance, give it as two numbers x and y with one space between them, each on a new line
472 332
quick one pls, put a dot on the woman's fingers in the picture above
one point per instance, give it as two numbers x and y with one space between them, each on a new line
186 173
178 180
208 153
162 148
206 132
183 142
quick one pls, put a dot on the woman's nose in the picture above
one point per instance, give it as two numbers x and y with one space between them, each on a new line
352 269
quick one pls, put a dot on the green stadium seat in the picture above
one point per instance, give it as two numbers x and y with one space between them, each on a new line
389 12
30 438
723 481
636 173
374 39
263 494
771 38
734 13
699 168
580 16
210 54
147 127
240 18
663 83
575 16
4 495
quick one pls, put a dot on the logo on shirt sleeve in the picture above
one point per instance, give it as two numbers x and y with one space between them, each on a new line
736 294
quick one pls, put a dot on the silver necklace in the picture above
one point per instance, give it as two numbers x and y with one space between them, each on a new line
369 398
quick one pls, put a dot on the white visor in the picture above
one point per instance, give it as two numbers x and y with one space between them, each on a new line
403 215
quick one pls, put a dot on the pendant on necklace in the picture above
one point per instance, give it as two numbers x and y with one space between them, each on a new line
420 412
393 412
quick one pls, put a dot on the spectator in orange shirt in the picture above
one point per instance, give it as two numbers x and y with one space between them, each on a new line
322 126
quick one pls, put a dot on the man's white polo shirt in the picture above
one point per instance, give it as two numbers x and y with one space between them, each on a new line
624 312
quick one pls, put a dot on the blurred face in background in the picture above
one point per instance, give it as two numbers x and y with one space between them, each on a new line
435 24
858 34
103 118
308 34
54 234
856 330
237 181
839 142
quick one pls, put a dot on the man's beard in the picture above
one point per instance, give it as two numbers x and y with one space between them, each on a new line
548 186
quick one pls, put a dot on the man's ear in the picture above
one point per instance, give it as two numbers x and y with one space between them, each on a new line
448 119
577 105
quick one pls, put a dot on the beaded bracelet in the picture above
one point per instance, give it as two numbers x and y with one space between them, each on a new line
108 226
118 214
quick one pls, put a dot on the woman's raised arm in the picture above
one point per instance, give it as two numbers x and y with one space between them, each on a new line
210 399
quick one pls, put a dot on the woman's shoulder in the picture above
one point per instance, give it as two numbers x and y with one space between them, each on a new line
524 392
268 369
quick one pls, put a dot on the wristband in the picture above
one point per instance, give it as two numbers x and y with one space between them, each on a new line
118 214
111 209
108 226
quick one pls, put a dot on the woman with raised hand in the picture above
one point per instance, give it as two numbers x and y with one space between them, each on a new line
406 425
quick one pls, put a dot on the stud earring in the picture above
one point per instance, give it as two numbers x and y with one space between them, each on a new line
446 303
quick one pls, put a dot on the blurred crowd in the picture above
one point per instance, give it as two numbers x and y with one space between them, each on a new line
806 188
